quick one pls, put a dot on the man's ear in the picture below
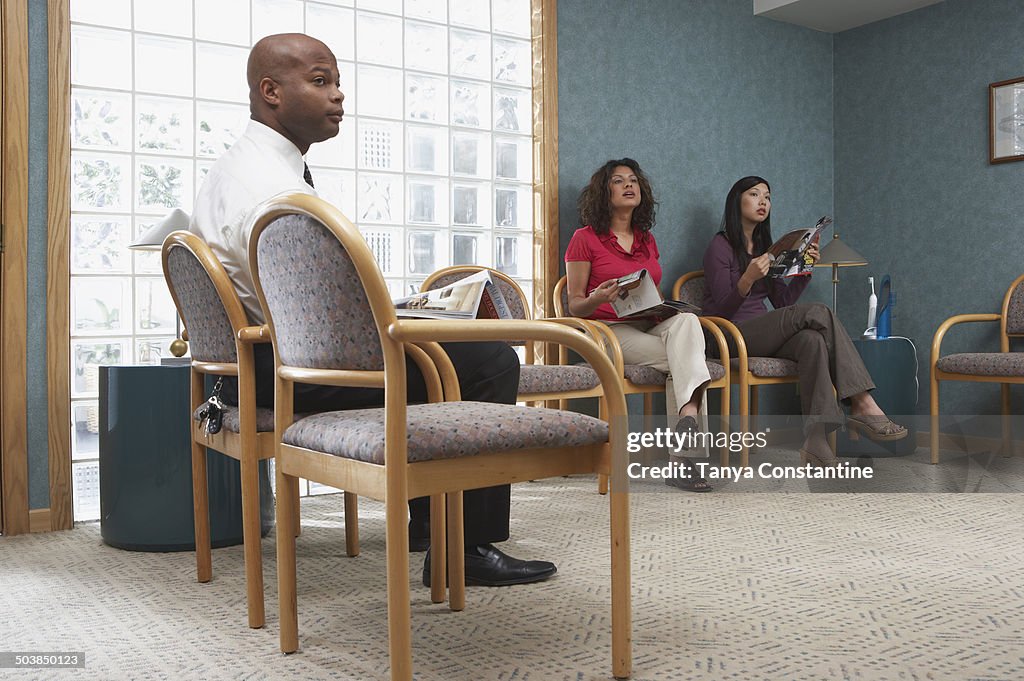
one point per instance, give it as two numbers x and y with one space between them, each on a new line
270 91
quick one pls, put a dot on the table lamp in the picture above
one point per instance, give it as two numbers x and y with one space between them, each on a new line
153 240
837 254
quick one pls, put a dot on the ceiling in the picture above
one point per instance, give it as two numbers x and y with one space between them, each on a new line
833 16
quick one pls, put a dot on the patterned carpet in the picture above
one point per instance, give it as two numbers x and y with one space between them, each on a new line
746 586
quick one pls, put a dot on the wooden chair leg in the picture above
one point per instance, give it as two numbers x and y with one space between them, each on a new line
351 524
456 553
602 412
399 622
622 618
1007 424
754 410
723 455
933 410
744 407
438 548
201 513
250 475
287 493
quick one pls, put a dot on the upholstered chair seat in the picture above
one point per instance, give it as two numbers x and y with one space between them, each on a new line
446 430
232 422
552 378
983 363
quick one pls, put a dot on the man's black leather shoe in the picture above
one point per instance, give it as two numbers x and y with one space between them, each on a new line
419 536
487 566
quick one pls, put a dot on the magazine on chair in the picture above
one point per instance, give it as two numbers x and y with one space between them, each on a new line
789 252
639 297
472 297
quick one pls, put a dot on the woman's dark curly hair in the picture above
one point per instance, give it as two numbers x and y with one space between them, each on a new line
595 199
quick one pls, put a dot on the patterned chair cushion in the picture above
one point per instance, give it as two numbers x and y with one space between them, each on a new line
641 375
693 292
983 363
210 336
544 378
1015 311
322 321
769 367
264 419
716 370
446 430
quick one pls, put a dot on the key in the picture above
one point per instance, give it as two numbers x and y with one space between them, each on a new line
215 415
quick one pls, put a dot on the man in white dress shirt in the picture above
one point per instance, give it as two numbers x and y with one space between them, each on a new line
295 101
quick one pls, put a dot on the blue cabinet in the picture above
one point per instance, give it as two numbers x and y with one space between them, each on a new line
145 465
892 363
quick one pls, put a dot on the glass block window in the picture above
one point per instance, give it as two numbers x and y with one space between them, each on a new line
433 162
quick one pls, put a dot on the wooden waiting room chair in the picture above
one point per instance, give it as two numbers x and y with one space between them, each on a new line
1005 367
221 343
748 372
332 322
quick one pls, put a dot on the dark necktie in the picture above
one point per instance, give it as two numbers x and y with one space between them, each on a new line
307 176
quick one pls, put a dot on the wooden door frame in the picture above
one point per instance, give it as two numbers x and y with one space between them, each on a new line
58 266
15 516
14 215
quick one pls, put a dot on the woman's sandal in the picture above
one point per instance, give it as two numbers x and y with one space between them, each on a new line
877 428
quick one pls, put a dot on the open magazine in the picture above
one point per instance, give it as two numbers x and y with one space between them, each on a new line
474 296
639 297
790 251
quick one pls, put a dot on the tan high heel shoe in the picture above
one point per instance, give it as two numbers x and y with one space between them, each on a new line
877 428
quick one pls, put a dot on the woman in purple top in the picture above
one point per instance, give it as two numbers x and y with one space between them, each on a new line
736 286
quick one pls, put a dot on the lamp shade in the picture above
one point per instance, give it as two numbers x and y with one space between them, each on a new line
153 238
839 254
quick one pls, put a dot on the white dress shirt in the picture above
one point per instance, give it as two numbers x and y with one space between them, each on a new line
260 165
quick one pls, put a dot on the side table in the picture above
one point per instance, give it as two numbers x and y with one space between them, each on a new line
145 466
892 363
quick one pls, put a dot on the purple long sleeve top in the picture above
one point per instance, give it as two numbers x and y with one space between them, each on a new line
721 293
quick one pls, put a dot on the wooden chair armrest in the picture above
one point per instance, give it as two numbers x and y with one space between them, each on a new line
737 338
438 371
254 334
958 319
598 332
723 346
419 330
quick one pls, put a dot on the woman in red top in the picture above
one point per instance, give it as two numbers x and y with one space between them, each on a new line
617 208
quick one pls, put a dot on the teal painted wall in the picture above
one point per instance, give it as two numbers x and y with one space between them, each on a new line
701 94
913 181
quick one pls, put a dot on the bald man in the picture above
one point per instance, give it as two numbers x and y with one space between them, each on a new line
295 101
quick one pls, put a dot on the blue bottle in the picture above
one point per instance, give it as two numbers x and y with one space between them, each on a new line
886 299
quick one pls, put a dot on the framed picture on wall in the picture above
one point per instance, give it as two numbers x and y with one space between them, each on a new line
1006 121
